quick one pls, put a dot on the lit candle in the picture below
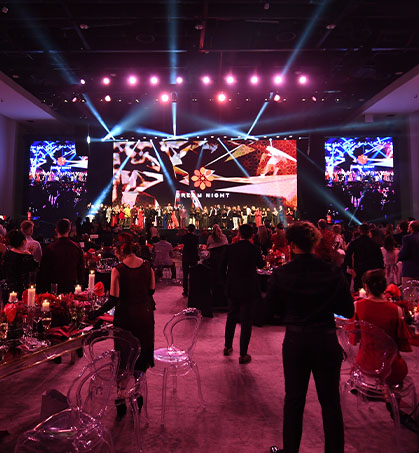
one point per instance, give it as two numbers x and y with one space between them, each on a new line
45 306
91 280
31 296
13 296
77 289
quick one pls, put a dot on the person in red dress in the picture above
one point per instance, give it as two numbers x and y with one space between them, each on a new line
376 309
140 217
175 222
324 249
258 217
279 241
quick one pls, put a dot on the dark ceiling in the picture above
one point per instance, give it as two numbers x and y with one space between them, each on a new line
350 50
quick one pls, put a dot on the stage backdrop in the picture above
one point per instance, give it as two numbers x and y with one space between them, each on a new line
205 173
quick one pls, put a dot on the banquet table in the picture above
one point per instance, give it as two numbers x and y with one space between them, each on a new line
16 359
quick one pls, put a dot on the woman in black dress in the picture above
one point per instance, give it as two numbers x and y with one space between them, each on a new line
132 288
17 264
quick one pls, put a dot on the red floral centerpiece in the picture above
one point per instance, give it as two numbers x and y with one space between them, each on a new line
275 258
15 311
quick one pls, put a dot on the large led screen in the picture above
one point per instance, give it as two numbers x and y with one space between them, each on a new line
360 175
57 180
204 173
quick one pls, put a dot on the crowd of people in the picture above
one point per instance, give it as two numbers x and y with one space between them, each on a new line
324 269
178 216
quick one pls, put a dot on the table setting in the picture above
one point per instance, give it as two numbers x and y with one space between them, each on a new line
46 322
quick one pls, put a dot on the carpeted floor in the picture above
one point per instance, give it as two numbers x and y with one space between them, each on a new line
243 402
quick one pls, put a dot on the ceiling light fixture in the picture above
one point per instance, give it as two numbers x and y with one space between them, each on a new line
154 80
132 80
230 79
206 80
302 80
278 79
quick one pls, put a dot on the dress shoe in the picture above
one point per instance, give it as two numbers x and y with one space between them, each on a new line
140 402
228 351
121 408
245 359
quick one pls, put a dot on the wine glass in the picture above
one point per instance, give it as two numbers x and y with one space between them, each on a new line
26 327
46 321
54 288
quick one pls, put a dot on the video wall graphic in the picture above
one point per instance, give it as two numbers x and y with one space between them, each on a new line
360 175
57 180
204 173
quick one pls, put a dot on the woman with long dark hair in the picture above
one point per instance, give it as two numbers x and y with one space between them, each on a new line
132 288
17 263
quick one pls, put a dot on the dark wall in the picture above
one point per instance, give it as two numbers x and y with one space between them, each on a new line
100 171
312 202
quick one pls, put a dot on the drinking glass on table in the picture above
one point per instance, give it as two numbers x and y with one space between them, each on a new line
54 288
27 327
46 320
4 328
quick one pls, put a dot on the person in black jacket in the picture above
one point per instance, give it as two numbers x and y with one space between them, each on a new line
363 254
307 292
17 264
62 261
190 255
240 261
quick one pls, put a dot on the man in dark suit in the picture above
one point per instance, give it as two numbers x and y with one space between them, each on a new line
189 255
240 261
363 254
62 261
307 292
409 253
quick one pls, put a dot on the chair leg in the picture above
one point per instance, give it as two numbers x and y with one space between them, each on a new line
174 383
146 400
136 415
198 381
396 417
163 398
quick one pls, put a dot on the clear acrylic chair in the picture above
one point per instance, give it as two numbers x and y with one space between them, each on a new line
130 385
370 369
181 334
78 428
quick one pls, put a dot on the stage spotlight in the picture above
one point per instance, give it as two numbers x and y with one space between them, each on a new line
74 99
164 97
179 80
132 80
277 97
278 79
221 97
82 82
313 98
106 80
302 80
206 80
254 80
108 98
230 79
154 80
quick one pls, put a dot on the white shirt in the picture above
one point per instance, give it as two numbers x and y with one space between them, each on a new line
34 247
